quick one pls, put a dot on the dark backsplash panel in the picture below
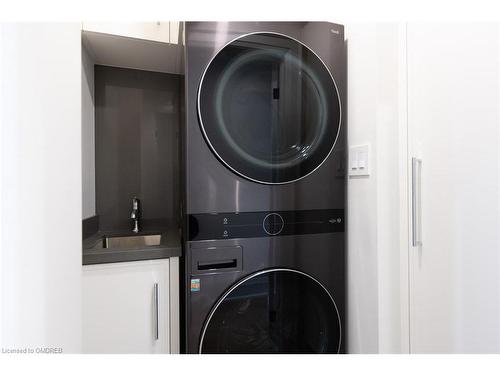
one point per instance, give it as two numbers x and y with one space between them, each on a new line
137 120
90 226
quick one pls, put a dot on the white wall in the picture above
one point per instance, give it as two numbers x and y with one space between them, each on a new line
88 135
377 299
2 117
40 102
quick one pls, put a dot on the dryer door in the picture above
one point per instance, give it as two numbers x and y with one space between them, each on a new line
269 108
273 311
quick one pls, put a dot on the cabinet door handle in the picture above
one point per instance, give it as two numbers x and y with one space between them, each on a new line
157 311
416 202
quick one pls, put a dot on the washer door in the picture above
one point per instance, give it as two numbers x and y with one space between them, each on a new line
269 108
273 311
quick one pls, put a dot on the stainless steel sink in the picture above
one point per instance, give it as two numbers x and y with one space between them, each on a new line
131 241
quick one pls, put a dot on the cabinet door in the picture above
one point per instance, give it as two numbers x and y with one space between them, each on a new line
126 307
453 101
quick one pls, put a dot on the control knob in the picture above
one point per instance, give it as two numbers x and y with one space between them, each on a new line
273 224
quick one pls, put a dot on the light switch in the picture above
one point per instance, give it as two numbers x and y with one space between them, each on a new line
359 160
354 163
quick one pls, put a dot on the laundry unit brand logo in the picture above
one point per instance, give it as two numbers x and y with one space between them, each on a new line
195 285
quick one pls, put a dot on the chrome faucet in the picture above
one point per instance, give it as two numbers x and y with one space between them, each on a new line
136 214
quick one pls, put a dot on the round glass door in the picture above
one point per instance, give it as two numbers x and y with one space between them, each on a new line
273 311
269 108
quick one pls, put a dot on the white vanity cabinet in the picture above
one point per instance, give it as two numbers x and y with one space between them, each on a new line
131 307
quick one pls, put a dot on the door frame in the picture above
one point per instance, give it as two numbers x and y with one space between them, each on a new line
405 190
393 193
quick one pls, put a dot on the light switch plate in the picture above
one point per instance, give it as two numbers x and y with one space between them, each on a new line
359 160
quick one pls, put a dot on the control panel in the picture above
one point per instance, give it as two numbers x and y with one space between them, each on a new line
264 224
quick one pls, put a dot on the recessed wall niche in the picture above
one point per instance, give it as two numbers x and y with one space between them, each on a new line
137 122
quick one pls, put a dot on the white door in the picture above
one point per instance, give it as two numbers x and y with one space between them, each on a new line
453 124
126 307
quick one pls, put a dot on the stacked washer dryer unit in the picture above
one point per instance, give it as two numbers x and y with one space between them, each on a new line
265 138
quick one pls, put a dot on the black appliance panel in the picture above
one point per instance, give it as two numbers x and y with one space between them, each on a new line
263 224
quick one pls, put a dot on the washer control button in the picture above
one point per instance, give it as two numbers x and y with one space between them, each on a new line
273 224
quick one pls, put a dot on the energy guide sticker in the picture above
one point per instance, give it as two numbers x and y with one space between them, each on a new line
195 285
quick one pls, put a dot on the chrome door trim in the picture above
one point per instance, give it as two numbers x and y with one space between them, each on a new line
258 273
203 127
